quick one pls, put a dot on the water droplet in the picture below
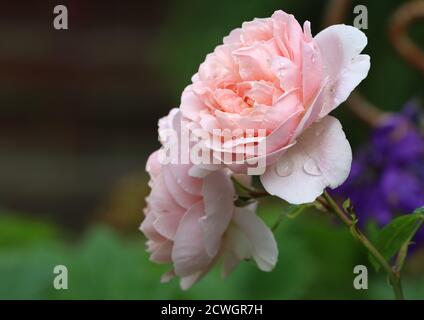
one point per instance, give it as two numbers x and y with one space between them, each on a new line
311 168
284 167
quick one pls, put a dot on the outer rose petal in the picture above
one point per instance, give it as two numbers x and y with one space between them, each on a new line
153 165
161 251
218 197
250 237
202 170
160 198
191 105
183 198
185 282
188 183
188 281
238 249
322 157
288 34
340 47
166 223
233 37
189 253
148 228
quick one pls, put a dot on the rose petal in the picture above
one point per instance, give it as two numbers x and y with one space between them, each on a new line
260 29
340 47
191 106
255 61
287 73
149 229
218 197
233 37
187 281
288 34
219 67
312 113
312 71
161 251
321 158
168 276
166 223
202 170
160 198
287 105
252 238
153 166
189 253
188 183
183 198
237 249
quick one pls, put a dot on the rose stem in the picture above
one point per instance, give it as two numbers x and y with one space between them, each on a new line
253 193
333 207
394 276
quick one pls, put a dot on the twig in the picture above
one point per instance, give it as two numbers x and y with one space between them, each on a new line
253 193
364 110
394 276
401 20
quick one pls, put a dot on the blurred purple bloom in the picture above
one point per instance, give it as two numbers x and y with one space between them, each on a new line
387 176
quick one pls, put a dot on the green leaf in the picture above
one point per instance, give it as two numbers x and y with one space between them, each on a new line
372 232
398 234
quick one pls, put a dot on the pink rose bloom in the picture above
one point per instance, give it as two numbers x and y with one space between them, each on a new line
272 75
190 222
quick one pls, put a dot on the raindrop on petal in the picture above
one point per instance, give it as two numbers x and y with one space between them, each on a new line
284 167
311 168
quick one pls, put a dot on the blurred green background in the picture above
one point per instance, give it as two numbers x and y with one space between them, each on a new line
78 116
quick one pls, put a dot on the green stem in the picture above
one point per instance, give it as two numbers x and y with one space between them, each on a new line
394 276
253 193
400 258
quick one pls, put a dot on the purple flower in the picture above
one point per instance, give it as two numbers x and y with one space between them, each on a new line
387 176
